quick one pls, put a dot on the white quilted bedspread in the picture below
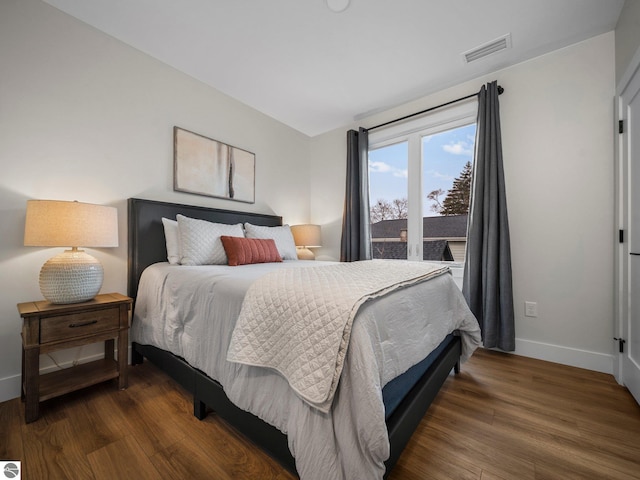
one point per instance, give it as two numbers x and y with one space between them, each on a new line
298 321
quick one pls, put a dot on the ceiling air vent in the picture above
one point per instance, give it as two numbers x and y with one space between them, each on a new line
489 48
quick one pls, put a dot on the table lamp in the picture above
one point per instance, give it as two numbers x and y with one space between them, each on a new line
305 237
73 276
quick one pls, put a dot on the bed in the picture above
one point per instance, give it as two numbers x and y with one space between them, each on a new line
410 394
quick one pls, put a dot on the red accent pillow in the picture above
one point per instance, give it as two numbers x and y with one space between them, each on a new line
242 251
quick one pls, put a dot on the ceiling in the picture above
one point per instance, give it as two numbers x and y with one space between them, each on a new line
315 70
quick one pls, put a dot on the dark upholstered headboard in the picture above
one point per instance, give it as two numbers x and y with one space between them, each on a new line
146 233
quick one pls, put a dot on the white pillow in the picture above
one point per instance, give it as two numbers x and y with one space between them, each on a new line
200 241
282 236
172 239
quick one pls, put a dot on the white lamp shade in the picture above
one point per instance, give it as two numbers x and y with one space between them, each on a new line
72 276
55 223
306 235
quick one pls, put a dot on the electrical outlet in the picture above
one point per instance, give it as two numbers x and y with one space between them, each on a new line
530 309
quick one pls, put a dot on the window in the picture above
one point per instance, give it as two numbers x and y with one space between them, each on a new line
420 186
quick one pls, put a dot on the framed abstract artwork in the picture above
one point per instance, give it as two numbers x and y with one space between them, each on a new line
204 166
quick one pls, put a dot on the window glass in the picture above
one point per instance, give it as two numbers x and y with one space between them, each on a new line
447 163
388 200
420 187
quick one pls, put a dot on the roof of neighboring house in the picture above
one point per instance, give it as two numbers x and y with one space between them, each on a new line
450 226
431 250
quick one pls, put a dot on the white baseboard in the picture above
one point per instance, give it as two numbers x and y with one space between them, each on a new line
10 387
599 362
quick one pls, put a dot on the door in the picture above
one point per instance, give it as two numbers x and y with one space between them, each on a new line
628 275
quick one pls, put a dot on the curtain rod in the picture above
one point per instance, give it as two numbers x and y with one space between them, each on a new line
500 90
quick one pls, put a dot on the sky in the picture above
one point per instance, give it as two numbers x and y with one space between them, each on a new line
444 156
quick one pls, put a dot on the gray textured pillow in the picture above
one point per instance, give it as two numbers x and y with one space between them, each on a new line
281 235
200 241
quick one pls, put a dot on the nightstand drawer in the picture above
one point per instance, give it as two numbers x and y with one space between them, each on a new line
65 327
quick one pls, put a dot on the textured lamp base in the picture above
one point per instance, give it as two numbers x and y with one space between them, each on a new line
71 277
305 254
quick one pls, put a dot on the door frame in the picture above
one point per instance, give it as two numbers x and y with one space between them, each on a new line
621 178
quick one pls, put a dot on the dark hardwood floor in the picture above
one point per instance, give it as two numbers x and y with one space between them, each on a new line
503 417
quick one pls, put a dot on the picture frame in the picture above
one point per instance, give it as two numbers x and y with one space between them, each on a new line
204 166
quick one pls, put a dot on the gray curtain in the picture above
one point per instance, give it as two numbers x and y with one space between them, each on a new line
356 229
487 283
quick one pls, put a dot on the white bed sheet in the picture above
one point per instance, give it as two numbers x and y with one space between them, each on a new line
191 312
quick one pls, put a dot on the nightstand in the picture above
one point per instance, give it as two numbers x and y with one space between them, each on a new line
48 327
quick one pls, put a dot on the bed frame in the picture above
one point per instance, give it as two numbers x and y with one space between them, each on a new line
147 246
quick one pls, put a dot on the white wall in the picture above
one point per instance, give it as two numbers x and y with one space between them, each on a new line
557 132
85 117
627 36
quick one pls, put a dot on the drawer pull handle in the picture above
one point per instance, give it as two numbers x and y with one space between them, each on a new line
83 324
